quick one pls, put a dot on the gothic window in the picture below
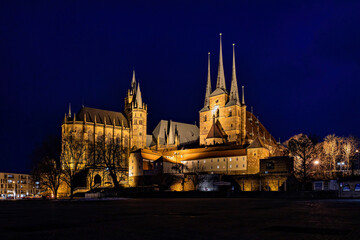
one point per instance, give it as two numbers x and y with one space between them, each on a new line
140 122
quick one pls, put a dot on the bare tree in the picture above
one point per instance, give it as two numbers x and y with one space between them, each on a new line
349 150
196 173
73 160
331 151
303 151
47 167
112 157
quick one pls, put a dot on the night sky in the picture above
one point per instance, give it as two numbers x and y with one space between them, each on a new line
298 60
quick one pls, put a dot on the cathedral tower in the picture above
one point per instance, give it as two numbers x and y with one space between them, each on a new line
223 117
136 112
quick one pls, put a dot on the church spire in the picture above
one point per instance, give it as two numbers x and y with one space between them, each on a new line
133 82
208 85
243 96
69 109
234 92
221 77
138 98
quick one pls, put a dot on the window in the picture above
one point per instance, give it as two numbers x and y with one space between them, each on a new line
230 159
211 167
270 165
217 113
346 188
139 133
205 118
357 188
211 160
230 166
218 166
204 161
135 122
140 115
230 114
243 165
140 122
224 159
218 160
237 166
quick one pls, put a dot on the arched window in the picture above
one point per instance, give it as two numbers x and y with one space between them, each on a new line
230 113
205 118
135 122
217 113
97 179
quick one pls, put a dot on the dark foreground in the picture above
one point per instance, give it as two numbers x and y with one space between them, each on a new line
234 218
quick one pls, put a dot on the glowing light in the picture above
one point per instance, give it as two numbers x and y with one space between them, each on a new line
316 162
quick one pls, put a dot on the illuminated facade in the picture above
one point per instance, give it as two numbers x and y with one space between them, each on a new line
92 125
229 140
14 185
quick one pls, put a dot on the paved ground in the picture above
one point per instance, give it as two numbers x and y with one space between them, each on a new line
235 218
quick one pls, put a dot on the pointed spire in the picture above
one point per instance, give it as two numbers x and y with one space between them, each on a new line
138 97
221 77
171 139
208 85
69 109
133 82
243 96
234 92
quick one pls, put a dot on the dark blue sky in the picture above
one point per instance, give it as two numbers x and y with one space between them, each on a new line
299 62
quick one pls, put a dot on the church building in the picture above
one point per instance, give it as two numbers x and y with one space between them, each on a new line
228 141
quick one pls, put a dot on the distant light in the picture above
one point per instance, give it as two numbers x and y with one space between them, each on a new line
316 162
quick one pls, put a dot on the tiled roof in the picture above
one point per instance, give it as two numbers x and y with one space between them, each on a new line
257 143
255 129
188 133
102 116
216 131
218 91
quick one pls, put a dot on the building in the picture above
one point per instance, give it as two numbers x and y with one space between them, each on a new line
14 185
229 140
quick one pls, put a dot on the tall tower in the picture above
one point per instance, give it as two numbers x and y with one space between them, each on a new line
136 112
223 112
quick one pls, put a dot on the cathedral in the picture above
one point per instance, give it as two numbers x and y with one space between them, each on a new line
228 141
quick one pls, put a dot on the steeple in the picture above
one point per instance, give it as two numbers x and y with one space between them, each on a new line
208 85
138 98
69 109
234 92
243 96
133 82
221 77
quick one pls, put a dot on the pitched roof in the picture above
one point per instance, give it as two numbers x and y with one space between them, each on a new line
188 133
255 129
102 116
216 131
218 91
257 143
